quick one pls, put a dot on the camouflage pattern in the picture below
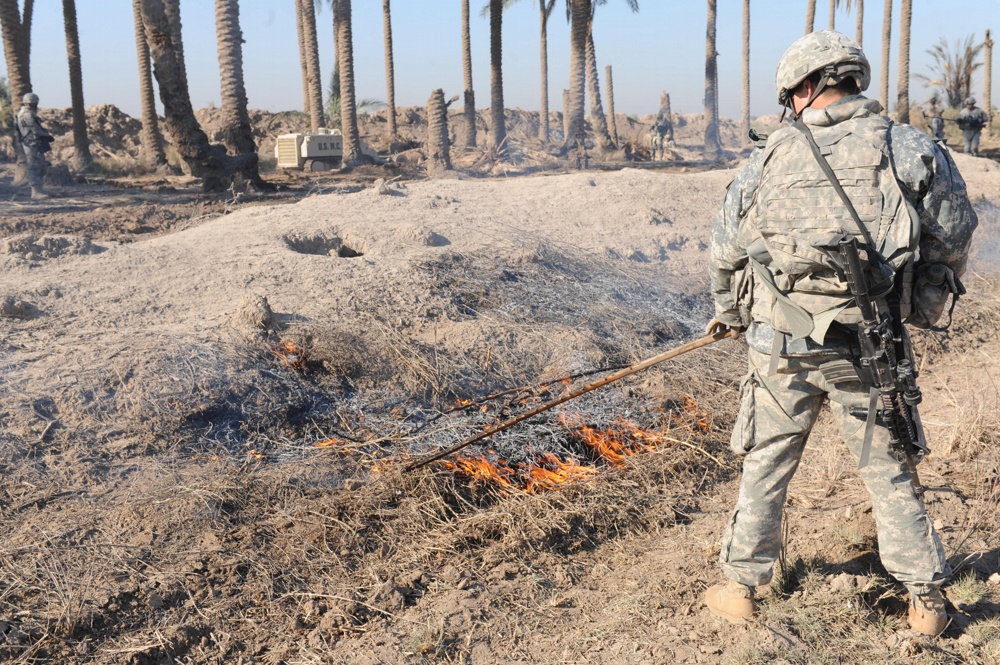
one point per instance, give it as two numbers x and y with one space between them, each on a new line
816 51
31 133
909 181
936 127
971 121
777 413
931 187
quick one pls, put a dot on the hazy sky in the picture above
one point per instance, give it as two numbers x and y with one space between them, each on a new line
662 47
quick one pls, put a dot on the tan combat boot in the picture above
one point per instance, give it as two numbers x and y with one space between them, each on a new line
38 195
927 613
732 601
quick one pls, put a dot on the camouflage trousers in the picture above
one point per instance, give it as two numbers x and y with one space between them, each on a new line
970 140
36 165
776 415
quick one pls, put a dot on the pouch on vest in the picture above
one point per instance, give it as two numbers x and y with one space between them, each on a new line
933 285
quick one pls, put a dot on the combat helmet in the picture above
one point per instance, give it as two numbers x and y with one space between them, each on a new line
834 54
30 99
970 101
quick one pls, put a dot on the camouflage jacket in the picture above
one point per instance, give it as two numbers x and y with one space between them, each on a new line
926 177
29 129
973 119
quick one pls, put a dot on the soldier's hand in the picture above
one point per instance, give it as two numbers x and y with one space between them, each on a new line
715 327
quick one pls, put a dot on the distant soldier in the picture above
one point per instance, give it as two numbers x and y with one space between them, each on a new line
936 123
971 121
36 142
666 130
655 144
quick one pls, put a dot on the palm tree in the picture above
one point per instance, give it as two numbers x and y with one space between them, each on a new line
598 120
438 156
311 47
345 60
713 145
300 30
209 162
498 126
810 16
469 110
988 80
860 27
152 140
833 14
953 69
545 8
390 76
236 132
903 96
81 145
15 27
579 14
886 42
746 68
611 105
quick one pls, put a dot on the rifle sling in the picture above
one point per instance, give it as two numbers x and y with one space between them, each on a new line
872 252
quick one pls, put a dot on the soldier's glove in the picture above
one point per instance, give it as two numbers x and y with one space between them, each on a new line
715 327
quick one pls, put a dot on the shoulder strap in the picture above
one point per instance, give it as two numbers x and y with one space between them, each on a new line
832 177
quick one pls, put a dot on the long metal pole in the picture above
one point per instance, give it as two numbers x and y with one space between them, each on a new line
611 378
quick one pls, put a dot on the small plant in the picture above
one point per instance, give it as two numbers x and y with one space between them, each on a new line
967 588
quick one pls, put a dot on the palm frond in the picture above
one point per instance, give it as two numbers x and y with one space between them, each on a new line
952 68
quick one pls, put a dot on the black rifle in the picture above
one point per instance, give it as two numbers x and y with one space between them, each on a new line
886 368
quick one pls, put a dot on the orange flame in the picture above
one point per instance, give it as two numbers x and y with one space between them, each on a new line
293 356
481 468
552 472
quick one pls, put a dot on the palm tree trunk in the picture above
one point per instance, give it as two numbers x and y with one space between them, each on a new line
903 85
438 155
498 126
390 76
545 9
316 119
833 14
152 140
860 27
16 52
16 33
611 105
713 146
579 19
746 69
810 16
598 120
469 110
201 159
236 132
988 81
81 145
565 113
172 8
301 31
886 42
345 61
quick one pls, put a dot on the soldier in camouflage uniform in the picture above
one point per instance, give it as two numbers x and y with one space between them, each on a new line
935 123
773 278
971 121
36 142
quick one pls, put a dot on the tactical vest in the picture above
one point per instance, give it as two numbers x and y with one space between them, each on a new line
798 218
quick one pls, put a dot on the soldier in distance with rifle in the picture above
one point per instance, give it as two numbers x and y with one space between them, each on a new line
837 230
36 142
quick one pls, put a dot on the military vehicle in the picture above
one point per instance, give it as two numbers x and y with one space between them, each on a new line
314 152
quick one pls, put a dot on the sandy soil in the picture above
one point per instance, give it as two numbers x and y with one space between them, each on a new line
207 402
